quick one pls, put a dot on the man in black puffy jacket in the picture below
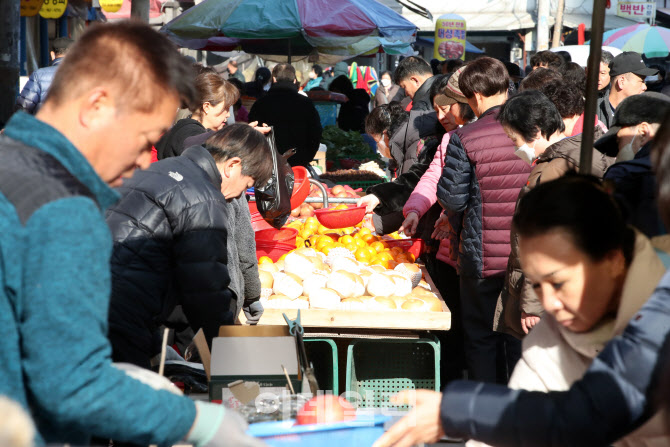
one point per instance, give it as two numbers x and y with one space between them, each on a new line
35 91
171 232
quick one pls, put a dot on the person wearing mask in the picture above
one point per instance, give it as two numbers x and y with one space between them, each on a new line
215 98
536 127
295 120
598 348
315 78
387 89
35 91
178 240
112 97
634 126
453 112
627 73
482 177
261 83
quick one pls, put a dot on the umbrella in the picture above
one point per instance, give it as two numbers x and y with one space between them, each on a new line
650 40
341 28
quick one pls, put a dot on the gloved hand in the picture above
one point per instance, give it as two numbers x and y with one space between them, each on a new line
253 311
216 426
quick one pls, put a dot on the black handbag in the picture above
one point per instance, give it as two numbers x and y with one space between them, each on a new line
274 199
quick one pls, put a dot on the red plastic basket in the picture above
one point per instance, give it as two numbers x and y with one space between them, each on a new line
285 235
340 218
273 250
414 246
300 186
258 223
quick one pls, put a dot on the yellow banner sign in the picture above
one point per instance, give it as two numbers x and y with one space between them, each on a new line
111 5
53 9
30 8
449 37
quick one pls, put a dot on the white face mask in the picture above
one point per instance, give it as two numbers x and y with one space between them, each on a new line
312 75
526 153
627 152
386 83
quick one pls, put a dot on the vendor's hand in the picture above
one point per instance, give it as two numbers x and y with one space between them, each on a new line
410 223
253 311
441 228
419 426
528 321
370 201
220 427
264 128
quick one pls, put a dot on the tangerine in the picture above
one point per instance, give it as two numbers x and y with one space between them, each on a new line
299 242
265 260
352 247
378 246
341 207
379 261
361 243
346 239
363 255
369 238
385 255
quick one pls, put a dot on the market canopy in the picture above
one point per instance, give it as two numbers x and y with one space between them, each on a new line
341 28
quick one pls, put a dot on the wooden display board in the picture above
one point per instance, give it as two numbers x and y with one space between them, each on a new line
324 318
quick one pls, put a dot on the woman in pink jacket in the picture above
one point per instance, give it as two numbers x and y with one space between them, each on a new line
452 111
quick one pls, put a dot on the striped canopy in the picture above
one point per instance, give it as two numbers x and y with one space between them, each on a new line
652 41
296 27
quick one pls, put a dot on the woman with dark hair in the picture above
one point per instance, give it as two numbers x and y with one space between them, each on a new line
575 75
453 112
386 90
532 118
215 97
353 112
182 235
261 83
593 274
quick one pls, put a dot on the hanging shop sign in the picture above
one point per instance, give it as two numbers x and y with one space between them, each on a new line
111 5
449 37
53 9
30 8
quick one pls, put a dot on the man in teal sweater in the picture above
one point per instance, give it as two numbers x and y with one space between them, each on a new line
109 102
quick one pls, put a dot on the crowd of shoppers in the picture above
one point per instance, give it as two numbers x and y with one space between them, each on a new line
556 282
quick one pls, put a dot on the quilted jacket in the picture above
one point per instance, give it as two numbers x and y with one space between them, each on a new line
170 232
35 91
482 178
615 396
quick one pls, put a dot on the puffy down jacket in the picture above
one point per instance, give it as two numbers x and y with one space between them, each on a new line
482 178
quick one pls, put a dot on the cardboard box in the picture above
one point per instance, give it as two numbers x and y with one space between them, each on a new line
252 354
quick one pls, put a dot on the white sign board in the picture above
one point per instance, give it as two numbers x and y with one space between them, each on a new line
636 10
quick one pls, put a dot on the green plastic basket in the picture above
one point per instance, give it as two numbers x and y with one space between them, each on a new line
322 353
378 369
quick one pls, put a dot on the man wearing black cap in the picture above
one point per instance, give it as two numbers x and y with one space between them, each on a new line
634 126
627 73
35 91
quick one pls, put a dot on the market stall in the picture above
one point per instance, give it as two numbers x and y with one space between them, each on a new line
368 308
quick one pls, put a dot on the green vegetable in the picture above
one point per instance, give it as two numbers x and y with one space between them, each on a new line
342 144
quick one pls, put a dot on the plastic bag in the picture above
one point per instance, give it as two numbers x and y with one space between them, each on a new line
274 199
